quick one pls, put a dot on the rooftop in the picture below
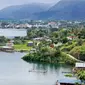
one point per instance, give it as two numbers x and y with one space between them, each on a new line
81 65
70 81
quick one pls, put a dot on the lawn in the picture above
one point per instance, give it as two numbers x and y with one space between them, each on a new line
19 47
22 47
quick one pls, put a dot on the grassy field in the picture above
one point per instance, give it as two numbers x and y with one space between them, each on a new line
22 47
19 47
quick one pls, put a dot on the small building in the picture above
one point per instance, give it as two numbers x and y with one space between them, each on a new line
71 37
79 66
30 44
8 48
38 39
69 81
10 44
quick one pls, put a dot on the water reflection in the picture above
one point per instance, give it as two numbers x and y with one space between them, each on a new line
15 71
51 67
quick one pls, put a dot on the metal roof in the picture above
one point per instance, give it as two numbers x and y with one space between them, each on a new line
70 81
81 65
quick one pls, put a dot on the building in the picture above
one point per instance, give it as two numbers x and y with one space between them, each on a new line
69 81
79 66
53 24
30 44
38 39
71 37
8 48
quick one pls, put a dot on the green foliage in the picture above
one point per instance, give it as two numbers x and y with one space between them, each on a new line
64 40
81 75
67 59
81 34
19 40
79 42
78 52
49 55
69 75
3 40
36 33
55 34
76 83
21 46
68 46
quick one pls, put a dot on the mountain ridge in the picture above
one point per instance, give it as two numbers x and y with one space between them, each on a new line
63 10
22 11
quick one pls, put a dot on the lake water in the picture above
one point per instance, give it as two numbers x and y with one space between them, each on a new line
13 32
15 71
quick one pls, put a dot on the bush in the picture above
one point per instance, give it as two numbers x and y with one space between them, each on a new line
81 75
78 52
69 75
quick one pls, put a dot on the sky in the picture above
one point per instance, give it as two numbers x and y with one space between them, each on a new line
5 3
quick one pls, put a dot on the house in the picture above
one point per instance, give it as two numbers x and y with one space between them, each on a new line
8 48
79 66
71 37
30 44
38 39
53 24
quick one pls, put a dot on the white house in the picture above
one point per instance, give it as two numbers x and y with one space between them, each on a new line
80 65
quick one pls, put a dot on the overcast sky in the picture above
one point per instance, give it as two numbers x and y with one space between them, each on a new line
5 3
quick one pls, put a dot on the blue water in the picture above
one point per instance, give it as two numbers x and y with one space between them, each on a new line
14 71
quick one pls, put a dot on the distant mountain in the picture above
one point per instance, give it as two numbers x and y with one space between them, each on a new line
63 10
22 11
66 10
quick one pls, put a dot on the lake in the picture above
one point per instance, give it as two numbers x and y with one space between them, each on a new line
13 32
15 71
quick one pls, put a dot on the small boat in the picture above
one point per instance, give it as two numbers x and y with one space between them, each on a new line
37 71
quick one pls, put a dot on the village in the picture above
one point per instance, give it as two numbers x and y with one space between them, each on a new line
43 40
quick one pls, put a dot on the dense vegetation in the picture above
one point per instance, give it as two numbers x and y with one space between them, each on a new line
48 53
54 46
81 75
51 52
3 40
50 56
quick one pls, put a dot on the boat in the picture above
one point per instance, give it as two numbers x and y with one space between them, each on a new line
37 71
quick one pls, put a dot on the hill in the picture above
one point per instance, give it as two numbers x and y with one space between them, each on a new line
63 10
66 10
22 11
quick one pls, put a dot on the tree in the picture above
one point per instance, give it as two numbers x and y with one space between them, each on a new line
64 40
3 24
80 42
81 75
55 34
3 40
